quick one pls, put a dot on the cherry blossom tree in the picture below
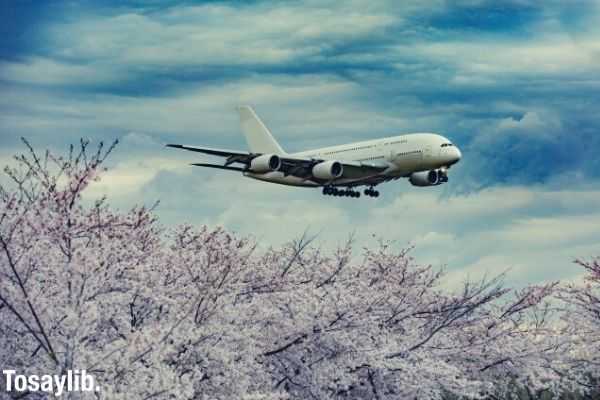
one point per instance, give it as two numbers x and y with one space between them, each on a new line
381 328
197 313
581 318
85 287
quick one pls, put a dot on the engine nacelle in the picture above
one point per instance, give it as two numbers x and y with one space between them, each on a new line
328 170
265 163
429 178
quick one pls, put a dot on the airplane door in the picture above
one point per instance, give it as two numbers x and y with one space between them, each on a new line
407 159
427 154
427 151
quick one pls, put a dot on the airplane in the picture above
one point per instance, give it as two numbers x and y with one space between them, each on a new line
423 158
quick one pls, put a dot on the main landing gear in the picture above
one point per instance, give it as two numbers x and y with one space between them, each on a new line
371 192
333 191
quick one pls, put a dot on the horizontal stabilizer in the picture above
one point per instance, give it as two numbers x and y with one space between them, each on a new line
219 167
210 150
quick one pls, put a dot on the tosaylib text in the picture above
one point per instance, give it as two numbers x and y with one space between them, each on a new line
73 381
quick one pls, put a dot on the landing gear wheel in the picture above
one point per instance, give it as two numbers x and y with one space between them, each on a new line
333 191
371 192
352 193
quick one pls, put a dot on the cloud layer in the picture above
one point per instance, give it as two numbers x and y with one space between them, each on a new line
513 83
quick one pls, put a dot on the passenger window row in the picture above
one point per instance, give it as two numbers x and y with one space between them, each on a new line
410 152
352 149
397 141
371 158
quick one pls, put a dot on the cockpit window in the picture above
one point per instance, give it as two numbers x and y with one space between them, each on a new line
447 144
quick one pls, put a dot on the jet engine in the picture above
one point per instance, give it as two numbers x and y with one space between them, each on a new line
328 170
429 178
265 163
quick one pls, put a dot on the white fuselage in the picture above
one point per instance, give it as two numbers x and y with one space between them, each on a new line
402 155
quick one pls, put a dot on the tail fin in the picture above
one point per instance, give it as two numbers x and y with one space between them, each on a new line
258 137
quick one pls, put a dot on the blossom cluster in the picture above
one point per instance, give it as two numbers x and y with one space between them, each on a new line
196 312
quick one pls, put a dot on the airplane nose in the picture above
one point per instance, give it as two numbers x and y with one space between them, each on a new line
454 155
458 154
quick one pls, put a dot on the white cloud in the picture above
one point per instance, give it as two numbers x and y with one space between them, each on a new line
484 59
531 120
126 178
528 230
544 232
423 204
134 163
485 267
213 34
46 71
301 111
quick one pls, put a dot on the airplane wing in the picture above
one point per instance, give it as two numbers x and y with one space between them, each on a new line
298 167
352 170
358 170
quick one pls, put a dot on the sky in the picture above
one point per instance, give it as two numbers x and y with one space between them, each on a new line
515 84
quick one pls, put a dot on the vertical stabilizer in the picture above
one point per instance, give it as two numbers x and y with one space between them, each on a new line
257 135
